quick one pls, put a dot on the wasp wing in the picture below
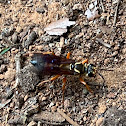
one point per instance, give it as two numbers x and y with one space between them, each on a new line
50 64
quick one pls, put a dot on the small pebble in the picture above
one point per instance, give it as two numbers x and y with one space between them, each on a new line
51 104
66 104
85 91
106 61
91 124
116 48
91 6
9 94
51 45
85 118
71 35
12 105
114 104
99 121
3 68
78 6
53 108
111 95
44 98
57 104
46 38
94 120
3 1
0 37
30 39
32 123
40 47
18 29
40 10
115 53
112 43
14 50
25 98
1 76
10 74
14 38
124 51
102 109
84 111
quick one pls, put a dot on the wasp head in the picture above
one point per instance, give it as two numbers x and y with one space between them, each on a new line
91 70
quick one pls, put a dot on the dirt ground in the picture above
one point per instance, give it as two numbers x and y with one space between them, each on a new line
101 40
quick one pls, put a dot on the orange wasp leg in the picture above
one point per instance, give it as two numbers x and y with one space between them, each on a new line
53 78
85 61
63 87
83 82
68 55
49 53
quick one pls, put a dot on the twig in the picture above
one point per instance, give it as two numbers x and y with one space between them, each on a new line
103 9
18 68
103 43
67 117
2 105
115 16
10 42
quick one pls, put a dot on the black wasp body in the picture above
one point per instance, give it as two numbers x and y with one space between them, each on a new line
50 64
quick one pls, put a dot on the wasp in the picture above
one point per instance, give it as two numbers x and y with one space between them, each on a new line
50 64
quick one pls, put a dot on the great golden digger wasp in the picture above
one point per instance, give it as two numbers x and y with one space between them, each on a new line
50 64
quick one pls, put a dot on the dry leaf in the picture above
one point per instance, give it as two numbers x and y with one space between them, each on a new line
58 27
92 14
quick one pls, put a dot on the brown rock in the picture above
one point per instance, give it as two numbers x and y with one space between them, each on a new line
10 74
48 116
102 109
53 108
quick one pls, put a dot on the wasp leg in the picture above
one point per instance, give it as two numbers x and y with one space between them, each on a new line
83 82
85 61
68 55
49 53
53 78
63 87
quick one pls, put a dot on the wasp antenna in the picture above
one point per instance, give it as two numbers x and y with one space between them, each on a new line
103 85
106 69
